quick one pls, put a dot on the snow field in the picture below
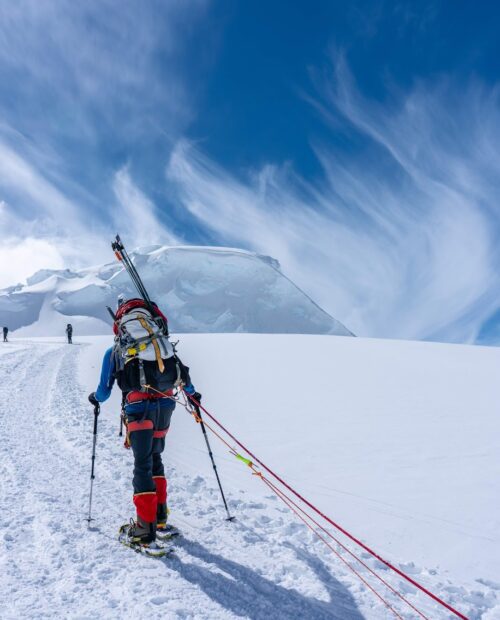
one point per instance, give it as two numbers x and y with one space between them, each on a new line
378 434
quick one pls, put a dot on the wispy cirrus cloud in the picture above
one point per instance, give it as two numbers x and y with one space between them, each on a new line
396 237
84 67
136 216
82 84
399 238
22 179
53 230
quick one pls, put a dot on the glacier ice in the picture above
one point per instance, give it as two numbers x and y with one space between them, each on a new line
201 289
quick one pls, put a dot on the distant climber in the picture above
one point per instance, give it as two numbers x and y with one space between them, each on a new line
147 370
69 333
5 332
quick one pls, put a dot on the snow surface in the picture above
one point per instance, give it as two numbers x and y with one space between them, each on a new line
201 289
397 441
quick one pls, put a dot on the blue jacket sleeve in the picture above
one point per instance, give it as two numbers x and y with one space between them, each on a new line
107 380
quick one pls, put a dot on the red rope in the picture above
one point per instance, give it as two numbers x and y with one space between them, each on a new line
288 502
335 525
282 495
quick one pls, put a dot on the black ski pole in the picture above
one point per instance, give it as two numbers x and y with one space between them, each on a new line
198 413
92 476
123 256
122 413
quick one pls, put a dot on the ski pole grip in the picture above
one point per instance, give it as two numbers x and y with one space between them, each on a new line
96 415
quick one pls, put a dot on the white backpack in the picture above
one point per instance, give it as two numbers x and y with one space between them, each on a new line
140 336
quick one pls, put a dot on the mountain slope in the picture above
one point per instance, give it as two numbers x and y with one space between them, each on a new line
201 289
397 441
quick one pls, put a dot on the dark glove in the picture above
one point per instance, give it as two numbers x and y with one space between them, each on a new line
93 399
195 397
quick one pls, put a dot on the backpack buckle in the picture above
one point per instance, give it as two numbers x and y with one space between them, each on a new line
134 351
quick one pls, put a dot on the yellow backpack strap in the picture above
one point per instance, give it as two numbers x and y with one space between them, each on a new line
161 365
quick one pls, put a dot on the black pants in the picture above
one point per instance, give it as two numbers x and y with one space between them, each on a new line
148 442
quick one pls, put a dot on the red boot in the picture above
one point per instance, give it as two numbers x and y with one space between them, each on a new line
144 529
161 498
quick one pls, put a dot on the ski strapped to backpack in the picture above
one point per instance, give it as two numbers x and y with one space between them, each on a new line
145 359
123 256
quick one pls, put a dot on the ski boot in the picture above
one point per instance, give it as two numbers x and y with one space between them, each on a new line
141 537
162 513
141 533
164 530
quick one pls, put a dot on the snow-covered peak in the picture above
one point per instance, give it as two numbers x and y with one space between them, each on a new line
44 274
201 289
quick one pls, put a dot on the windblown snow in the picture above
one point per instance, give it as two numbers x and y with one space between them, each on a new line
205 290
396 441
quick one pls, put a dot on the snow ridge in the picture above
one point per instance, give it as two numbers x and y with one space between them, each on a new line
201 289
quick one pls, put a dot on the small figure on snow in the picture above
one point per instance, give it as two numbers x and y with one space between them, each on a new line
69 333
144 364
5 332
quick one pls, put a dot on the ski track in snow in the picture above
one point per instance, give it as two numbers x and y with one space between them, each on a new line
263 566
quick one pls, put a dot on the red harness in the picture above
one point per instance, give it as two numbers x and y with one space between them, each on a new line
137 397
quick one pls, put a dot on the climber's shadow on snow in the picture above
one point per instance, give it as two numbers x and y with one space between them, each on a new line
243 591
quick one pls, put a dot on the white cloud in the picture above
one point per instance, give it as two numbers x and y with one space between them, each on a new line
20 177
21 258
84 79
97 58
135 215
53 231
40 221
44 224
399 240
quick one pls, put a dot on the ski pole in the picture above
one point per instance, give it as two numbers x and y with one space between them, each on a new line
122 413
198 413
92 476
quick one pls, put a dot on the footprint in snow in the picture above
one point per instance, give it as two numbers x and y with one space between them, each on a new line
196 484
294 528
159 600
410 568
490 584
255 505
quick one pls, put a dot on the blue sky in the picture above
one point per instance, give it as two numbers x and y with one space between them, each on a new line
356 142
